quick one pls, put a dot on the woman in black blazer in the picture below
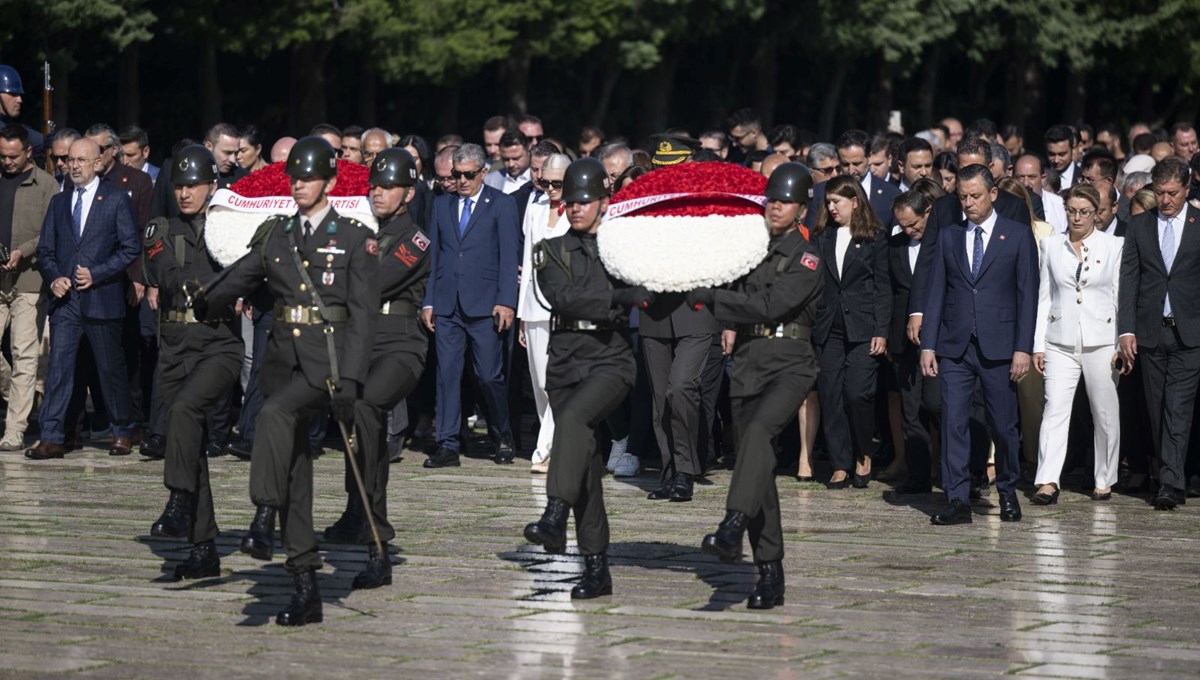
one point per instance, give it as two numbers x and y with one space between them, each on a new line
852 325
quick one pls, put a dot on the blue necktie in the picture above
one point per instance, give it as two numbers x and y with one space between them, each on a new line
977 255
1168 255
77 212
465 217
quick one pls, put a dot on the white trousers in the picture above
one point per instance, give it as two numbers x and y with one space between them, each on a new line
1063 368
537 345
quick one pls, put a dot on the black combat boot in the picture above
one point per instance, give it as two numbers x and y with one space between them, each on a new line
203 562
596 581
155 447
682 491
768 592
378 571
726 541
176 519
550 531
351 527
305 606
259 542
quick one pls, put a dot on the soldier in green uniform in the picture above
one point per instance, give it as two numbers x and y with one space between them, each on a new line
198 361
774 368
323 270
397 359
590 370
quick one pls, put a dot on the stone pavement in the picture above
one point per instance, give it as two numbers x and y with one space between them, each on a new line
1081 589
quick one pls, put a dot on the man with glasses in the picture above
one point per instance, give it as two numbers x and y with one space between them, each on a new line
1099 169
374 141
60 149
745 131
475 242
513 172
531 127
823 162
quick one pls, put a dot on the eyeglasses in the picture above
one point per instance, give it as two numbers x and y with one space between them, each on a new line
79 161
1091 180
469 174
550 183
534 139
444 178
829 169
1072 212
105 148
58 159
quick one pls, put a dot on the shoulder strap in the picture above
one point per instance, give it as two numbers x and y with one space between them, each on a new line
334 377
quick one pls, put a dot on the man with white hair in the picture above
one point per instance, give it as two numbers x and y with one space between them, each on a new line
374 141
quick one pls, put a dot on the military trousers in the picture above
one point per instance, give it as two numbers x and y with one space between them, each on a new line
390 379
281 467
758 419
188 396
577 471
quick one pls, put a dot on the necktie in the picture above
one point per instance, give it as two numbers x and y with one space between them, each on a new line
1168 255
307 225
77 212
977 254
465 217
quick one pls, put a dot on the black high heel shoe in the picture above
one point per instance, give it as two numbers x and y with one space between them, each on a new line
843 484
1043 498
861 481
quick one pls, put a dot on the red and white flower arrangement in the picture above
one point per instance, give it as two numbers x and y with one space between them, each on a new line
236 213
686 226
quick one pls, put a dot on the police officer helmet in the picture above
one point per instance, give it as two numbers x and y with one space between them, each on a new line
790 183
393 167
194 165
311 157
585 181
10 80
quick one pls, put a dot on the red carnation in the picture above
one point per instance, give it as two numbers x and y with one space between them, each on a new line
270 181
709 186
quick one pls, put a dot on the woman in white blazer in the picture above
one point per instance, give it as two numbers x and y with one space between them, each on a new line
1076 334
543 219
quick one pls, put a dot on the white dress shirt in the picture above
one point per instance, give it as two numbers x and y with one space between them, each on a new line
511 183
1056 212
989 225
314 221
914 249
474 203
89 195
840 246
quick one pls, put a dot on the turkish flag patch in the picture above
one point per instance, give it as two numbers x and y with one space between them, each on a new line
372 246
155 249
419 240
405 255
811 261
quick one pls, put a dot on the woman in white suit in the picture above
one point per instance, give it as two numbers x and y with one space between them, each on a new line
1077 334
543 219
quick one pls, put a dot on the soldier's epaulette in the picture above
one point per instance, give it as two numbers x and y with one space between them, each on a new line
539 255
265 229
348 222
155 231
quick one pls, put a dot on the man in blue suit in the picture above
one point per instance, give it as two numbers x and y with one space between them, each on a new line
472 292
979 322
88 239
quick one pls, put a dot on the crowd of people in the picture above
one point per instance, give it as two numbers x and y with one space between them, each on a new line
951 287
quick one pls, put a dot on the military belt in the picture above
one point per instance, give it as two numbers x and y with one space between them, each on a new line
398 308
558 323
789 331
302 315
186 316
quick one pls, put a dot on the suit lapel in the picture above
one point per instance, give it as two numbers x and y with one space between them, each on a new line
1191 227
485 203
853 250
93 211
829 241
958 248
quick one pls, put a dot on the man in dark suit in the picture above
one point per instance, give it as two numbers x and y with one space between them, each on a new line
1061 143
919 396
852 148
1158 318
472 293
979 323
88 239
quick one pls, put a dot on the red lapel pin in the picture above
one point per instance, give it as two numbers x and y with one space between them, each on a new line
1001 237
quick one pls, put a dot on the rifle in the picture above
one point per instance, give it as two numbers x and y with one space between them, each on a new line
47 124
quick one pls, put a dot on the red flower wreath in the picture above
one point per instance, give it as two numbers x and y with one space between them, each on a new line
271 181
708 185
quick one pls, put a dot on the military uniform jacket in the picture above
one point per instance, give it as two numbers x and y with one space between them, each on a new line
577 287
341 258
174 252
669 317
784 288
403 271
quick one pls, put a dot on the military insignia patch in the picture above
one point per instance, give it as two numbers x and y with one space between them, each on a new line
539 256
405 255
150 229
327 278
331 228
372 246
155 250
811 261
419 240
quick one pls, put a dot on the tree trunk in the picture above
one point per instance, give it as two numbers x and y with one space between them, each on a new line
656 95
1023 85
927 91
368 91
980 75
766 80
833 95
128 89
883 97
610 75
514 75
306 86
1076 104
210 110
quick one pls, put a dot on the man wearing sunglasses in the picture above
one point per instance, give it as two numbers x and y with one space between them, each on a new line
469 301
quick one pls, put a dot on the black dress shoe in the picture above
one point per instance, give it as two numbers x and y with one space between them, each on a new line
663 491
378 571
843 484
154 448
202 562
505 450
259 542
443 457
1193 487
726 541
305 606
176 519
912 488
980 486
596 581
1010 508
1043 498
550 531
957 512
351 527
239 448
1097 496
1168 498
769 590
861 481
681 491
214 450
